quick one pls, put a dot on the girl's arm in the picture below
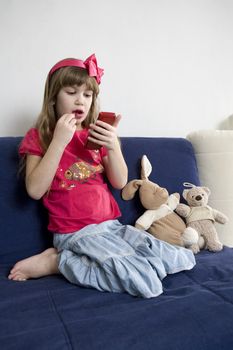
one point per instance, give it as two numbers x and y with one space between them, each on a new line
114 163
116 168
40 171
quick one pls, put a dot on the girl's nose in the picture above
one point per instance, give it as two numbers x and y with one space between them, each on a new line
79 100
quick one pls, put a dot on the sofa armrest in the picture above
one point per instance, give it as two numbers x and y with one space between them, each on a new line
214 154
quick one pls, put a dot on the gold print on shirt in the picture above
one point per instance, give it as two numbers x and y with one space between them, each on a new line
82 171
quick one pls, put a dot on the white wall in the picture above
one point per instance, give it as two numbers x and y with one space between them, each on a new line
168 63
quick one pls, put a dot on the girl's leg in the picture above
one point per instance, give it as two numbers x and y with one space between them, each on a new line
164 257
106 262
43 264
81 270
131 274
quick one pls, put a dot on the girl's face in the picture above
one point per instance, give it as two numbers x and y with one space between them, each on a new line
74 99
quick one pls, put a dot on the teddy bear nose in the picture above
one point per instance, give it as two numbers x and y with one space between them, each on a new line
198 198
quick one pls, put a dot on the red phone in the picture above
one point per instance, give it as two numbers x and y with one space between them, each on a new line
107 117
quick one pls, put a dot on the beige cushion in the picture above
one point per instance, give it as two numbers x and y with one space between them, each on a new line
227 124
214 153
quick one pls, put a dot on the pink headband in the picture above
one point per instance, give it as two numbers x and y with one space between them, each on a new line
90 64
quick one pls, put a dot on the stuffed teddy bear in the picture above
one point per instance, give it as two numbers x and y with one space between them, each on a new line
201 217
159 219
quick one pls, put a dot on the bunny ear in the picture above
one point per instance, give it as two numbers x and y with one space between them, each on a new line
146 168
130 189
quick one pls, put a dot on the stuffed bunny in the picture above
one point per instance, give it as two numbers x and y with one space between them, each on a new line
159 219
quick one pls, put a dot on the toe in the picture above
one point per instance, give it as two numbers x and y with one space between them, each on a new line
17 277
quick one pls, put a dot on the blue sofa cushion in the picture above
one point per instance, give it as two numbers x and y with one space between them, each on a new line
24 221
173 162
51 313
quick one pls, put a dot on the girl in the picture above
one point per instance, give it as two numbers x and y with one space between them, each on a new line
93 248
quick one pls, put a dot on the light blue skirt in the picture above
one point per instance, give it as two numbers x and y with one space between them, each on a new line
119 258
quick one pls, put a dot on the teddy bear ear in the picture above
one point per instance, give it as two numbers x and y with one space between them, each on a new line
130 189
207 190
185 193
146 168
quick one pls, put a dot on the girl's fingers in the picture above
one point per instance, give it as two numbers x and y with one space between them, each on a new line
69 118
97 135
107 126
66 118
118 118
102 128
67 121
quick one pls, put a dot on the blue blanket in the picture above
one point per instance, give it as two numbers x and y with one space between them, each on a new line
194 312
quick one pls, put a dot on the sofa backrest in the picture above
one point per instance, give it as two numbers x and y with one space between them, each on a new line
23 221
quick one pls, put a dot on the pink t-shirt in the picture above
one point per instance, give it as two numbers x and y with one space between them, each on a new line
78 195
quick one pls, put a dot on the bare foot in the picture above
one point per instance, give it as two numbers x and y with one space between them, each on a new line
35 266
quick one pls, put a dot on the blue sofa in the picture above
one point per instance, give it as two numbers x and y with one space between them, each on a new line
194 312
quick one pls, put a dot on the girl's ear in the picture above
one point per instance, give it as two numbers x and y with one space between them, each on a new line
130 189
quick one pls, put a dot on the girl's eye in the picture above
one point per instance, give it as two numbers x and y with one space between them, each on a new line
70 92
88 93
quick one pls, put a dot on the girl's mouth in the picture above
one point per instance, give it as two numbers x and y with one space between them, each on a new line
78 113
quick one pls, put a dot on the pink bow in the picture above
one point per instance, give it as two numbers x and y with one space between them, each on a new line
93 69
90 64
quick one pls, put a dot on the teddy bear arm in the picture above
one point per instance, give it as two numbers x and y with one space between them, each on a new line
183 210
220 217
173 201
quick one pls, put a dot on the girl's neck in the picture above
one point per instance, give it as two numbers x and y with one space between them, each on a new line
79 128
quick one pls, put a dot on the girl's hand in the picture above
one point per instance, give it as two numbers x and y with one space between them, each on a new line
65 129
104 134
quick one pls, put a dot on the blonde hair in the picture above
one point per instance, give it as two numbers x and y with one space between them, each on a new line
67 76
